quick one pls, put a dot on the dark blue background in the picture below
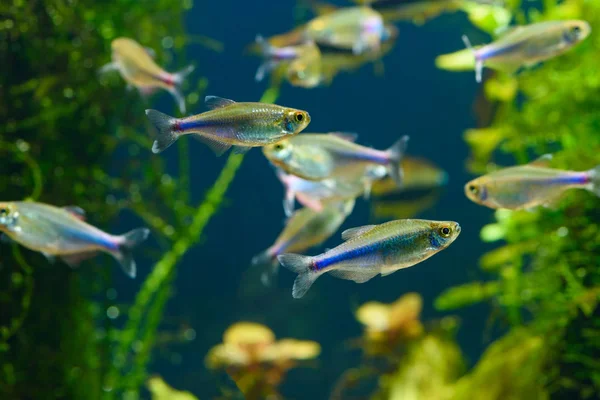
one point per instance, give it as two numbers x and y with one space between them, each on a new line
214 287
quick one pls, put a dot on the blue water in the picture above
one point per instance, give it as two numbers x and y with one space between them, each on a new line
214 288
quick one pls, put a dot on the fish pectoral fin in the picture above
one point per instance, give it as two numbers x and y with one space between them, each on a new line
354 232
76 211
51 258
214 102
358 276
388 272
73 260
215 145
241 149
542 161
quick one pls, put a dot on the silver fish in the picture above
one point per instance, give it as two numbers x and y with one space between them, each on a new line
371 250
62 232
528 45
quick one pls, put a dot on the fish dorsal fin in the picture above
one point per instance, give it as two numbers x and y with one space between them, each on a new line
214 102
354 232
347 136
75 211
543 161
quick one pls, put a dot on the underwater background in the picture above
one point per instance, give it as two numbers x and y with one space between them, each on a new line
70 136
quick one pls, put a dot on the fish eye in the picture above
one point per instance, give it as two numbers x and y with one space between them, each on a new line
278 147
576 30
299 117
473 189
3 211
445 231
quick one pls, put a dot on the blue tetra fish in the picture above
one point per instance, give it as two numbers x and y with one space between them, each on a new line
62 232
373 249
528 45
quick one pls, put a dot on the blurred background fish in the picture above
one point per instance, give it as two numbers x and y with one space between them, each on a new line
306 228
421 188
528 45
302 62
359 29
529 185
137 66
315 194
322 156
62 232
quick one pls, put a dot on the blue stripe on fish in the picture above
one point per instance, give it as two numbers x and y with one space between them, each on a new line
345 256
185 125
582 179
83 236
490 51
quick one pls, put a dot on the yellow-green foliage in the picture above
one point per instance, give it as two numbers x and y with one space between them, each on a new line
546 274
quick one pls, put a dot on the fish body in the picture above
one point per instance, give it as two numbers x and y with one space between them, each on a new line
302 62
323 156
418 174
62 232
371 250
529 185
360 29
528 45
417 11
244 125
306 228
316 194
137 66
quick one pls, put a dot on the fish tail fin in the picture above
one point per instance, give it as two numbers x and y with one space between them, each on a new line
175 90
478 62
107 68
267 260
594 185
396 153
128 241
268 64
166 134
301 265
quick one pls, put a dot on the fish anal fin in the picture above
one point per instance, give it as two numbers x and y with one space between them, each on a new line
542 161
75 211
241 149
354 232
214 102
358 276
218 147
73 260
50 257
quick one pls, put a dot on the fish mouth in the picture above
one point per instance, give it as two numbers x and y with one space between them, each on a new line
457 228
307 119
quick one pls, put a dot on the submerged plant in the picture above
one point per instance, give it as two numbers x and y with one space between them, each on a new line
545 274
61 127
256 361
